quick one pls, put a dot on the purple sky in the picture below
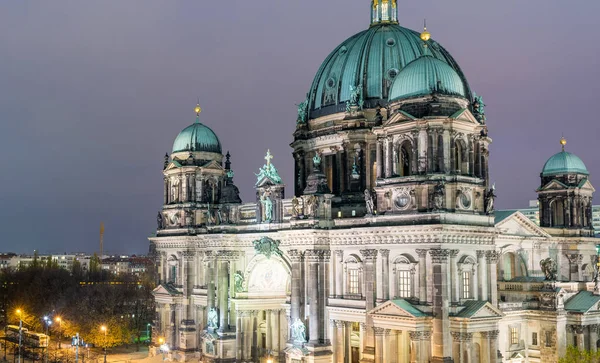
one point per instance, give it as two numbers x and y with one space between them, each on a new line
93 93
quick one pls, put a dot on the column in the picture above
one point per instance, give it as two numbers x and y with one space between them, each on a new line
339 341
340 169
238 336
312 257
247 316
210 298
578 331
422 276
415 349
442 343
378 159
388 157
339 273
269 329
324 258
379 344
223 258
276 330
493 338
491 257
390 353
434 149
447 150
593 334
385 277
347 342
455 278
482 274
369 259
296 258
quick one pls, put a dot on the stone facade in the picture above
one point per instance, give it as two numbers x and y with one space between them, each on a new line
389 251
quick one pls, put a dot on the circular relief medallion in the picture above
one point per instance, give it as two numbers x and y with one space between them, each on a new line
330 82
465 200
402 201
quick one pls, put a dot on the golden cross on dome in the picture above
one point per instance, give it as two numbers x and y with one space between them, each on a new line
198 109
563 142
268 157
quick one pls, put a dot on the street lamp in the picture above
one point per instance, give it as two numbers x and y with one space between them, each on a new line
164 347
19 312
48 322
59 321
148 331
103 328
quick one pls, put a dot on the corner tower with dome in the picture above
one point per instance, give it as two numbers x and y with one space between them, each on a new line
390 248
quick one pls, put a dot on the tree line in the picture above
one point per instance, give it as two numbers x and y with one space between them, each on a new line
83 301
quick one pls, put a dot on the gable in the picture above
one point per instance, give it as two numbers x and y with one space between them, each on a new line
464 115
586 185
212 165
174 164
476 309
517 224
553 185
398 117
165 290
397 308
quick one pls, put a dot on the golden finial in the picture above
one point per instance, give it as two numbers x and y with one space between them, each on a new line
563 142
198 109
425 35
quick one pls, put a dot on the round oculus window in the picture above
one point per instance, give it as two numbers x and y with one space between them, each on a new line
402 201
343 50
390 42
330 83
465 200
392 73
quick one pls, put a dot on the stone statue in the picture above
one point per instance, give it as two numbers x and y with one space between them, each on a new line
166 163
311 202
439 192
159 221
175 192
296 207
213 319
596 278
489 200
317 161
298 332
369 202
478 107
302 112
238 278
548 267
267 207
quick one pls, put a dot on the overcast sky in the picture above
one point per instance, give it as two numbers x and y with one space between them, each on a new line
93 93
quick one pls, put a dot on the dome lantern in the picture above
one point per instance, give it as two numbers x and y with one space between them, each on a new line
384 11
197 137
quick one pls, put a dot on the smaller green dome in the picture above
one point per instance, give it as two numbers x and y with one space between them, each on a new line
424 76
197 137
564 163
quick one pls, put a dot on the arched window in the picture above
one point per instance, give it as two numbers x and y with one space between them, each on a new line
461 164
172 270
404 159
354 277
467 267
404 273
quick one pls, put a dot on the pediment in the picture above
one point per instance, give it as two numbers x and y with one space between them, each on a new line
213 165
397 308
479 310
553 185
517 224
265 181
398 117
163 290
174 164
586 185
464 115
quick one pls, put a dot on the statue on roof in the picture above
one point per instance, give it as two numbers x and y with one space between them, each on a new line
439 191
356 97
490 195
268 171
303 111
159 221
478 107
369 202
548 267
298 331
317 161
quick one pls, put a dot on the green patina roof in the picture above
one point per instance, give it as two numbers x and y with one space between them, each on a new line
373 58
471 307
564 163
406 306
582 302
197 137
424 76
501 215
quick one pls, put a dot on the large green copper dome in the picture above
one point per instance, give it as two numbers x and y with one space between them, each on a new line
373 58
564 163
197 137
424 76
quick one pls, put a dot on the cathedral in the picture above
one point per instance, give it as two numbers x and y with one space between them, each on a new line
390 248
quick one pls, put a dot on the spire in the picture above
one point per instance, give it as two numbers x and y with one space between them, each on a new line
197 110
563 142
425 36
384 12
